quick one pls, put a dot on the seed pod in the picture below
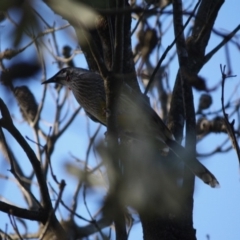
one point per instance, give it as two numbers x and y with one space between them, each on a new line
203 126
205 102
66 52
148 40
26 102
218 125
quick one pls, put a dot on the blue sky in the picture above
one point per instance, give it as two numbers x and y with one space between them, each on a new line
216 211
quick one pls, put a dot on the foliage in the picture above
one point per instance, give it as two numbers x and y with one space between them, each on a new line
122 184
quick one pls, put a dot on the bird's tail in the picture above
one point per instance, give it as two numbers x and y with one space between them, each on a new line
194 165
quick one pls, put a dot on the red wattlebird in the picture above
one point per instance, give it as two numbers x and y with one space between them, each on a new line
134 115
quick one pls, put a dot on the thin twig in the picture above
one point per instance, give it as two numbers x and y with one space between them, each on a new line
226 39
86 205
229 125
14 225
169 48
44 231
7 123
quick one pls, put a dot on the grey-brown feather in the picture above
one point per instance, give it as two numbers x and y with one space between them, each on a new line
88 89
135 116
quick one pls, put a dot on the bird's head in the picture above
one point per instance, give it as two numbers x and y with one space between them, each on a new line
66 76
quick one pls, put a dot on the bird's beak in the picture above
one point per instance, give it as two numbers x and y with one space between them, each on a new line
50 80
57 78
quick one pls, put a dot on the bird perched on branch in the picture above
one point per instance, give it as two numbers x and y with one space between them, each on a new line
134 115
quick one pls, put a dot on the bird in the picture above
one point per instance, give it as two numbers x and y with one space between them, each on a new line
135 117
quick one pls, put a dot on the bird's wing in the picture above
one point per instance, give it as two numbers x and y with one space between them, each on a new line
94 118
154 125
194 165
